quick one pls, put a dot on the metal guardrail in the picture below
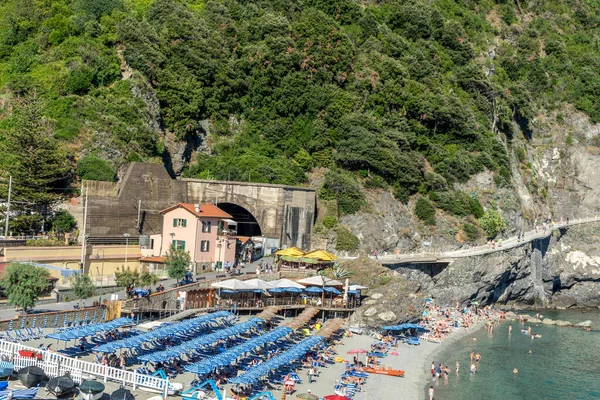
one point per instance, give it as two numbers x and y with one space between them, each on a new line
55 364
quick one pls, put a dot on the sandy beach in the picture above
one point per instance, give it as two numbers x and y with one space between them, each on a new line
414 360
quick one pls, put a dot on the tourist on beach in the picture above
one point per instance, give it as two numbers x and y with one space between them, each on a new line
311 372
438 370
433 369
430 392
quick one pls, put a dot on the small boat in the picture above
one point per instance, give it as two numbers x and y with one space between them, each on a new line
19 394
122 394
91 390
6 369
383 371
32 376
61 386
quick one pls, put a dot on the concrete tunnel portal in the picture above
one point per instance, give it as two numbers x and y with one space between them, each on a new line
247 225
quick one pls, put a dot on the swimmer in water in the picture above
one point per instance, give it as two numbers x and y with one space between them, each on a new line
515 371
477 357
473 368
457 367
529 352
510 329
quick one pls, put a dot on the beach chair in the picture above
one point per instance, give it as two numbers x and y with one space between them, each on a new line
412 341
41 332
342 390
11 337
32 334
21 335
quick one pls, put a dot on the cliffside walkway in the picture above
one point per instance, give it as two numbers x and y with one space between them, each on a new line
506 244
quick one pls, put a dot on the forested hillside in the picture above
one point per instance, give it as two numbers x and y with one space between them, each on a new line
413 96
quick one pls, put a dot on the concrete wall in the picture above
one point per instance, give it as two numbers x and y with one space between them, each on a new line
101 261
283 212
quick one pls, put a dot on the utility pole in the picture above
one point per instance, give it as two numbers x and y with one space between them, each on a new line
84 235
8 207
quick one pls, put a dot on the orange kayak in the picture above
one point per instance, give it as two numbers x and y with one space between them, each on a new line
383 371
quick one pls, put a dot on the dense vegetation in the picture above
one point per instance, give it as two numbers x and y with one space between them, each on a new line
410 95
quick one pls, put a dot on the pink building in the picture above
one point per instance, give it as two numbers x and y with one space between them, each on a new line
204 230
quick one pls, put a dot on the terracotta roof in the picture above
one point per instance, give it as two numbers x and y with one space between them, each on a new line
243 239
153 259
206 210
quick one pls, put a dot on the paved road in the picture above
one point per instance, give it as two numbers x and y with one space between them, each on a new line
507 244
69 305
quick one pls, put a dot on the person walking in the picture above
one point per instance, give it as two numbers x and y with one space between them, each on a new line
310 373
431 392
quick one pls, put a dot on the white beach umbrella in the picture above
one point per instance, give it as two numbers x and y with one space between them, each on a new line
232 284
259 284
319 280
287 283
357 287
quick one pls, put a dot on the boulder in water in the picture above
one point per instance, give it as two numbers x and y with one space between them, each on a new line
563 323
534 321
548 321
584 324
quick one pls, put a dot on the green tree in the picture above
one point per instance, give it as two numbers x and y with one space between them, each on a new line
177 261
425 211
23 284
126 277
82 286
147 278
344 189
63 222
492 223
37 162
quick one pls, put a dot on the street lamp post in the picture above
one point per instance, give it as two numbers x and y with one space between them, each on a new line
126 246
101 276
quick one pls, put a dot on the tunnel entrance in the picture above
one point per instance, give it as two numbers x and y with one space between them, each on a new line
247 224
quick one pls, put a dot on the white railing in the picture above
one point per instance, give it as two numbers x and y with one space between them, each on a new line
55 364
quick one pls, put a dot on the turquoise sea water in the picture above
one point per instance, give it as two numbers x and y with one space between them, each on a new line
564 363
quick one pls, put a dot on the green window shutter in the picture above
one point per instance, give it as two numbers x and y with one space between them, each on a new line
184 222
174 222
183 245
174 243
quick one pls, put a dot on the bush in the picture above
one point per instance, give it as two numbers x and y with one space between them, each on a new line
330 221
95 169
492 223
79 81
475 207
425 211
63 222
471 232
346 240
342 187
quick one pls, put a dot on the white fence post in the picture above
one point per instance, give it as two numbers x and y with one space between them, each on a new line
54 363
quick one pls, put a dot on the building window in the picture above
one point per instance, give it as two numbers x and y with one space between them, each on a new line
179 222
151 243
204 245
205 226
179 244
220 226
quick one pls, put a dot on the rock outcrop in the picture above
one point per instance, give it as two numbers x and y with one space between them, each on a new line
391 298
559 271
